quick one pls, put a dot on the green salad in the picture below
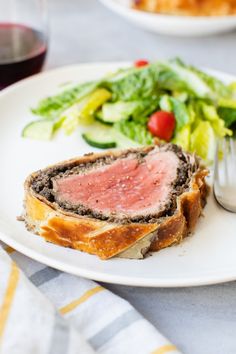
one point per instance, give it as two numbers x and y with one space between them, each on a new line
142 104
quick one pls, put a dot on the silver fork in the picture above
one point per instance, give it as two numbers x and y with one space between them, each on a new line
225 175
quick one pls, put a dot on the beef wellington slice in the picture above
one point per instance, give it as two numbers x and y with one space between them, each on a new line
121 203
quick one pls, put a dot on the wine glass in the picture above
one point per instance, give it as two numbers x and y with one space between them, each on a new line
23 39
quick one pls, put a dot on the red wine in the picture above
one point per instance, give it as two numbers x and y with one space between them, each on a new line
22 52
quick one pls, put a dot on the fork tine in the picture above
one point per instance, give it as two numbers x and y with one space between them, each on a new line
224 175
216 163
232 158
225 160
232 147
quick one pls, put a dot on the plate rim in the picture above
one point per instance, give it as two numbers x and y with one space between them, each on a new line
208 279
111 279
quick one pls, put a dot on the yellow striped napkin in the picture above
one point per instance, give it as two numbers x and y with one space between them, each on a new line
45 311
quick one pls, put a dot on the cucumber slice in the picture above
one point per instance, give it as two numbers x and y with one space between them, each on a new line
39 130
98 116
100 136
114 112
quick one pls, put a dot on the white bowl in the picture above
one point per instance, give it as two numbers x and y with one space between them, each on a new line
186 26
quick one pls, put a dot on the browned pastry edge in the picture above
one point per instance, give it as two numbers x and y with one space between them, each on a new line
189 208
107 239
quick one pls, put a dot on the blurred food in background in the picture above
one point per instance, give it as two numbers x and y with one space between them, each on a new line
188 7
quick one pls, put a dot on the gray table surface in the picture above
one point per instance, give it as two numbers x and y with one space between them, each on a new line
198 320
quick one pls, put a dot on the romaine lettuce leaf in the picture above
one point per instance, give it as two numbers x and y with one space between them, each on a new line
170 81
83 110
165 103
181 113
134 84
179 108
51 107
232 87
181 96
134 131
218 124
182 137
228 115
113 112
227 102
203 141
217 87
227 111
187 79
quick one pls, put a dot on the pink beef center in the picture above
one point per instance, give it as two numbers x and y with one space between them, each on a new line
125 186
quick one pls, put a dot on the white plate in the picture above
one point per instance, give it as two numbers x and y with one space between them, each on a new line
172 25
205 258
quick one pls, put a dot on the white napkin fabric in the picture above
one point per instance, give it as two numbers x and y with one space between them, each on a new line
45 311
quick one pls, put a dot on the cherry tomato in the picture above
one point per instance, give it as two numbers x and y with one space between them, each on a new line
141 62
162 125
